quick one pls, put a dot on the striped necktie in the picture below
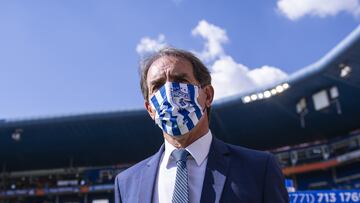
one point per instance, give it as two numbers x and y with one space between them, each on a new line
181 189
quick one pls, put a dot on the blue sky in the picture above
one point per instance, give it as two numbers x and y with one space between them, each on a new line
63 57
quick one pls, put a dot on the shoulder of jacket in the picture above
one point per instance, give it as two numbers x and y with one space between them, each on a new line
134 170
249 154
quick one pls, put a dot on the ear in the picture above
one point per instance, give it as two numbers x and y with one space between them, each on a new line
149 109
209 91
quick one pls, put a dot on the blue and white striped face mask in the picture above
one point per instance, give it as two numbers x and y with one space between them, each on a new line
177 110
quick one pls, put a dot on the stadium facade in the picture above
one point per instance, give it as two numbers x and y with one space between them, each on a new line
309 121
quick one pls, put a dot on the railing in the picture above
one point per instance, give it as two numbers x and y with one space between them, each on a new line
319 152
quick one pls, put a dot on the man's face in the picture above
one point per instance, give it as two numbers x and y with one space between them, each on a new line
172 69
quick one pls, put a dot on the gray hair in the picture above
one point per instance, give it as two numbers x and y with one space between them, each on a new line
201 73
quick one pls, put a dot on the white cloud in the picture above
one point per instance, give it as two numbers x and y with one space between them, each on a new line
230 78
148 45
296 9
214 38
266 75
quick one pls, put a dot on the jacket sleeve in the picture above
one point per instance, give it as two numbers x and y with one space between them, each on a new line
117 195
274 188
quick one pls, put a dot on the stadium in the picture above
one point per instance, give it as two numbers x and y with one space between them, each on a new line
310 122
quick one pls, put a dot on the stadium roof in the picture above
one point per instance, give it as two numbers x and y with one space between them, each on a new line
249 119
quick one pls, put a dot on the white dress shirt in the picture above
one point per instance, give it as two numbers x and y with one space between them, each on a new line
196 165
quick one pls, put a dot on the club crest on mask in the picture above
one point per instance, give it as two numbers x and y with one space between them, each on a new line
176 108
180 96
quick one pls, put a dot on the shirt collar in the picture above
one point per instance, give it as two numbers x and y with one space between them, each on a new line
198 149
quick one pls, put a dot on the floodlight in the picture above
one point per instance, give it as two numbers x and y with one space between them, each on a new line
334 92
267 94
345 70
246 99
16 135
279 88
285 86
321 100
253 97
301 105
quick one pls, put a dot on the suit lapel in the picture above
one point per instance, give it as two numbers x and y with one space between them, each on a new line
216 171
148 178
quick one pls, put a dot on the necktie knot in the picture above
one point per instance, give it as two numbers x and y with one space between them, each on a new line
180 154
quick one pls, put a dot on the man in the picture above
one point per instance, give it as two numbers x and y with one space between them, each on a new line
192 165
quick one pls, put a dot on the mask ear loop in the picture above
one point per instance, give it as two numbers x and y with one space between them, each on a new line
204 109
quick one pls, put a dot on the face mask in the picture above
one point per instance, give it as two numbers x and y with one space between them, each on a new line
176 108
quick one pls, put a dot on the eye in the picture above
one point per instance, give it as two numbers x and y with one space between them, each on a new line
182 80
156 87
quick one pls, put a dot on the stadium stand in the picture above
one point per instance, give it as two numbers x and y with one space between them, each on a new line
329 164
310 122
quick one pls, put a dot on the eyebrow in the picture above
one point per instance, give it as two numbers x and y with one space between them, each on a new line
181 77
178 77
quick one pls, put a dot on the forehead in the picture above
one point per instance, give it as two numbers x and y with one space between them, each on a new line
167 67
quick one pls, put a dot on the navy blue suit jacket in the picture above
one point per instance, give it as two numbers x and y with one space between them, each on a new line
233 174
